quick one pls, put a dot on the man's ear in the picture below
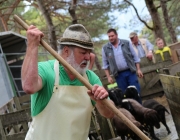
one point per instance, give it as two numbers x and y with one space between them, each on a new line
66 51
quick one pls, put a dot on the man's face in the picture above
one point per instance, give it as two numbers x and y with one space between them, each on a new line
134 39
79 59
160 44
112 37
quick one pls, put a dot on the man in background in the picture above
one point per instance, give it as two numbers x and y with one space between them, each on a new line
142 47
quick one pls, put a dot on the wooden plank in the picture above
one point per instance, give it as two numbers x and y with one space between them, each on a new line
15 117
174 106
178 52
2 133
170 79
174 68
17 103
158 58
171 86
167 56
173 48
8 107
17 136
25 98
151 92
144 62
141 82
175 111
155 66
177 74
25 106
153 81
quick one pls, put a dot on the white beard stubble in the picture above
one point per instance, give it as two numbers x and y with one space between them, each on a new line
73 63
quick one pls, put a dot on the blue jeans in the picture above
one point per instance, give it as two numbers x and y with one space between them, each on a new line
127 78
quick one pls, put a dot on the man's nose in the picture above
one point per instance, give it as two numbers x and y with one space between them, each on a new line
87 56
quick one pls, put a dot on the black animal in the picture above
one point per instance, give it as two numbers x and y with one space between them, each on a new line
151 103
116 96
132 93
123 130
147 117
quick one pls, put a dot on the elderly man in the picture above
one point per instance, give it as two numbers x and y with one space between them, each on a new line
60 104
142 46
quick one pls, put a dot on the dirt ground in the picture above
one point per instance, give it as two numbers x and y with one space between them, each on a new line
162 133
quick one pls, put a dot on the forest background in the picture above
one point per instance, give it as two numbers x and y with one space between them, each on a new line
53 16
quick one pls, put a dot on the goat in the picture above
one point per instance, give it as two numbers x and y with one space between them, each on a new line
122 129
147 117
116 96
152 104
132 93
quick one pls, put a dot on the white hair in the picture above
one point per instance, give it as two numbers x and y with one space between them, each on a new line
71 60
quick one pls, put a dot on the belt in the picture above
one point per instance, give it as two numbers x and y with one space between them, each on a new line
123 70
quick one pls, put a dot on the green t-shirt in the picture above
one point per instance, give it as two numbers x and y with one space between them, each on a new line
40 99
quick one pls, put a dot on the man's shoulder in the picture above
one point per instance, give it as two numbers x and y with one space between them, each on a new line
124 40
142 40
106 45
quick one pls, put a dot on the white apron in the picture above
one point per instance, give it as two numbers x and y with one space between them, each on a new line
67 116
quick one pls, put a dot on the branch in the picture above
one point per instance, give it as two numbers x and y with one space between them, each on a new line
72 11
138 15
159 6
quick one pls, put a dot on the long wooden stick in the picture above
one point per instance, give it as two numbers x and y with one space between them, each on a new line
106 102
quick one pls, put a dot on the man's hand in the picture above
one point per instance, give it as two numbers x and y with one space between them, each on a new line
110 80
140 74
34 36
149 55
98 93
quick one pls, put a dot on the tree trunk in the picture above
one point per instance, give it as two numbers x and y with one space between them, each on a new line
155 19
3 24
5 16
72 11
52 34
168 22
98 65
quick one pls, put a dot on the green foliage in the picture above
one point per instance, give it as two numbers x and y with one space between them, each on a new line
173 8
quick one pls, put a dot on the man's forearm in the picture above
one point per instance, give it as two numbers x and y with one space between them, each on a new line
137 66
107 72
104 110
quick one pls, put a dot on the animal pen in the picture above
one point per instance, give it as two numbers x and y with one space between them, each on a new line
15 104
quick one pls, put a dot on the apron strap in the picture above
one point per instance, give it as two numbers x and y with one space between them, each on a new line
56 70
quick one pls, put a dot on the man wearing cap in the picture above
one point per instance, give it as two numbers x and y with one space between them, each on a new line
142 47
60 104
120 59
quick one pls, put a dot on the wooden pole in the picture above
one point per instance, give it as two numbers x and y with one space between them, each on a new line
106 102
